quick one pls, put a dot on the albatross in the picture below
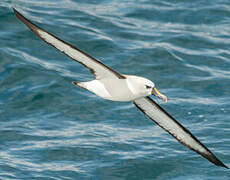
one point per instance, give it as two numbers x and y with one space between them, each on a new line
111 85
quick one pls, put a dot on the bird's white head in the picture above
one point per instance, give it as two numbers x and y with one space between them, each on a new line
148 88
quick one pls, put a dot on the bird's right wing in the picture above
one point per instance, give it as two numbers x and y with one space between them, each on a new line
97 68
169 124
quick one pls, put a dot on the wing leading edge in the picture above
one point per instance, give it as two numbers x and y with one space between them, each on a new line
97 68
169 124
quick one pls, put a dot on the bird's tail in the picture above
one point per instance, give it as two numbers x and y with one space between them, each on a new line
79 84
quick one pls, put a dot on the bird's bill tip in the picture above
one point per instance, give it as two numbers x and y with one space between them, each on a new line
155 92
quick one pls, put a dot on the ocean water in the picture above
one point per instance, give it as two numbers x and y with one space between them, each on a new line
50 129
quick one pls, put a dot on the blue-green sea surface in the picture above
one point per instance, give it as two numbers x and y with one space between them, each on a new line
50 129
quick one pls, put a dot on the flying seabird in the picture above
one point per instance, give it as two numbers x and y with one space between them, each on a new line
111 85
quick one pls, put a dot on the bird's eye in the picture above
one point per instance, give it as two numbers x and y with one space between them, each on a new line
148 87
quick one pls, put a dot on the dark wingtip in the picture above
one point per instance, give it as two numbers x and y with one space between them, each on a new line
15 11
222 165
217 162
18 15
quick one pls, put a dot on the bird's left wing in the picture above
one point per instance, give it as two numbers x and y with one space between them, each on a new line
97 68
169 124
